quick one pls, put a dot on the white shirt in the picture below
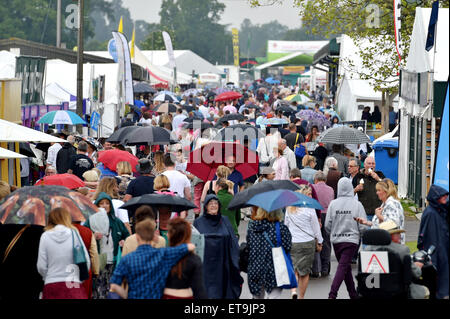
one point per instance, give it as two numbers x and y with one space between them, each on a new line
177 120
290 156
303 225
52 152
145 121
178 181
122 214
204 110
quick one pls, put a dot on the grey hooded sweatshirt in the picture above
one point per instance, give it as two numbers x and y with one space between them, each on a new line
340 223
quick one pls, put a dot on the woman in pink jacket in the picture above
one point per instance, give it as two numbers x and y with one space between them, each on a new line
280 165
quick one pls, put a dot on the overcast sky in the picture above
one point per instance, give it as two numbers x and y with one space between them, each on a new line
235 12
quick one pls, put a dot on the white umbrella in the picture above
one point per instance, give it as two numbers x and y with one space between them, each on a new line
11 132
4 153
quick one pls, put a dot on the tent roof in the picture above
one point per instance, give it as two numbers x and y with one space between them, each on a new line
11 132
419 60
4 153
280 60
362 90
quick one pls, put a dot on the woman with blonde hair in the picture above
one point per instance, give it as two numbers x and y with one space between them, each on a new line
161 184
124 176
158 160
261 273
55 258
390 209
109 186
210 186
304 226
308 171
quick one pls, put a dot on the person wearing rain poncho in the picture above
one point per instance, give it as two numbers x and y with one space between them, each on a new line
110 233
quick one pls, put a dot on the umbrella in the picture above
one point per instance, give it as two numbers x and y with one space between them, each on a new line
301 98
271 80
177 203
343 135
25 149
227 96
280 198
197 124
314 118
12 132
142 87
192 119
32 204
119 135
239 132
204 161
273 121
221 90
232 117
190 92
67 180
252 106
5 153
151 135
61 117
286 109
166 108
333 114
166 98
96 144
188 108
240 199
110 158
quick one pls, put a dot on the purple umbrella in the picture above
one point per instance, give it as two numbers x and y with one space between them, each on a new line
314 118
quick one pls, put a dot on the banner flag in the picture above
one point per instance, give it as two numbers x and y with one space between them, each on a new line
124 60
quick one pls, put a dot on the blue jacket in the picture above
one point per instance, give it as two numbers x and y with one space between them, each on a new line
434 230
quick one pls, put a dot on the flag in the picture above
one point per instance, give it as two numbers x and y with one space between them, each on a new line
120 29
397 27
125 76
432 26
132 43
169 49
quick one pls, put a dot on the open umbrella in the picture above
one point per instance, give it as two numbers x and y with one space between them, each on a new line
221 90
273 121
343 135
281 198
197 124
6 154
119 135
32 204
231 117
314 118
25 149
177 203
239 132
271 80
191 91
110 158
240 199
203 162
67 180
151 135
301 98
227 96
61 117
166 108
143 87
286 109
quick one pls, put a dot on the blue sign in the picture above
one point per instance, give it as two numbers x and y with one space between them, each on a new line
95 118
441 170
112 49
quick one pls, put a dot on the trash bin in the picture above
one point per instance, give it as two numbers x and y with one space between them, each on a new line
386 157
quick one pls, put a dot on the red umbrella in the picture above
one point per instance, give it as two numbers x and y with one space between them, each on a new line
68 180
226 96
110 158
203 162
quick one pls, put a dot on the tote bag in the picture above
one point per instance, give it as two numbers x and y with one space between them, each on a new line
282 263
79 258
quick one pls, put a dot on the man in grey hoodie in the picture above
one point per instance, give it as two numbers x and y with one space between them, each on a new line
345 234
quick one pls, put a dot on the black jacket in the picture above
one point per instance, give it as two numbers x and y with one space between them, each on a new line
63 157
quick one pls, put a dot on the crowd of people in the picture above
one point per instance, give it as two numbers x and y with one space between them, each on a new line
147 252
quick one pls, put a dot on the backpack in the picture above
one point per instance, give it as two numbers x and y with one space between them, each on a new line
299 149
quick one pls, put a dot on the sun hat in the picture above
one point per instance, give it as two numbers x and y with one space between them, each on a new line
391 227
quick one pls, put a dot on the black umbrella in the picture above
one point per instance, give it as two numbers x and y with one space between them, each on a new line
25 149
240 199
143 87
177 203
192 119
197 124
240 132
232 117
166 108
188 108
286 109
119 135
252 106
151 135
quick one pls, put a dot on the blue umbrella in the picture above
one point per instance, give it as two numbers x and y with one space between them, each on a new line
280 198
61 117
273 121
272 81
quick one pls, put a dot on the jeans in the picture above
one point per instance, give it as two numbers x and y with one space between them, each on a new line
344 253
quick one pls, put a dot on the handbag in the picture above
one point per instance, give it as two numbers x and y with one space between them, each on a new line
318 246
79 258
282 263
299 149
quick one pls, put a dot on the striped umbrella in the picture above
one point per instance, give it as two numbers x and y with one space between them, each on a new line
343 135
297 98
61 117
166 108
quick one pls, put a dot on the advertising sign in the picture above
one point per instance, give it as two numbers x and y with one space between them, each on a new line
31 70
235 46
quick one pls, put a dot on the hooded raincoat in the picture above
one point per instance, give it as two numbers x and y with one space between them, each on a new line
434 230
221 256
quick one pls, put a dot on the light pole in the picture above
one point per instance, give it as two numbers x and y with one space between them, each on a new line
58 24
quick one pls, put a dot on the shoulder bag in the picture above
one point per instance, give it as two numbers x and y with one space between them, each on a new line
79 258
282 263
299 149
